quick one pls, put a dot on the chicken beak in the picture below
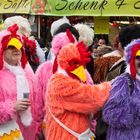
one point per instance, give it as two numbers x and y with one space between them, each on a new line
15 42
80 73
138 53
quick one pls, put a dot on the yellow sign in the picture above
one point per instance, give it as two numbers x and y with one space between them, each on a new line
15 6
101 25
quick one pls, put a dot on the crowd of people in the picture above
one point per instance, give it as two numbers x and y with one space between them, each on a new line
83 91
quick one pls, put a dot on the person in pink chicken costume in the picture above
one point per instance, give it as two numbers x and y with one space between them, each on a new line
16 84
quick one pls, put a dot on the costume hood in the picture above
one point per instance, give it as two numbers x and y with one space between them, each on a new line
60 40
23 24
131 51
11 37
56 24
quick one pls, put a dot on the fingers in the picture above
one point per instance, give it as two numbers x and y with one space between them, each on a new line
22 105
25 102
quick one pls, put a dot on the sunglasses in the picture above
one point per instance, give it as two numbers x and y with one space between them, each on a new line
137 58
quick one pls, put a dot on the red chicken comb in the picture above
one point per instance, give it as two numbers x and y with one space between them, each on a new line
69 34
84 53
13 29
13 33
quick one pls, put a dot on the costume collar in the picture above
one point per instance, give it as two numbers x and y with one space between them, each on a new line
14 69
118 62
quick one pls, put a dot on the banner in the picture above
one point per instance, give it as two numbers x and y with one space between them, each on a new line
86 7
72 7
15 6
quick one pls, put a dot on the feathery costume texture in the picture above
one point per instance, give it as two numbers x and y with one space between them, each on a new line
121 111
86 33
23 24
14 80
68 96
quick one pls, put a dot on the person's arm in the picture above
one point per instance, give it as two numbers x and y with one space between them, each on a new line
89 79
118 111
75 96
7 111
136 108
42 76
40 53
9 107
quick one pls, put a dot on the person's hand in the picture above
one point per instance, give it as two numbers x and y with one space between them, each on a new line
22 105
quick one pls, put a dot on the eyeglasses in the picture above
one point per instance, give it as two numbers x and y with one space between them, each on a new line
137 58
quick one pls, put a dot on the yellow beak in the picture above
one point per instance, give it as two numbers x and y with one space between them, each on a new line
138 53
15 42
80 73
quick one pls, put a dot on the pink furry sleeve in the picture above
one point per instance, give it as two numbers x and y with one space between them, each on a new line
74 96
42 76
89 79
7 111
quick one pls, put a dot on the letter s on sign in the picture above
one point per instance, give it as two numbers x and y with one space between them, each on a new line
8 5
